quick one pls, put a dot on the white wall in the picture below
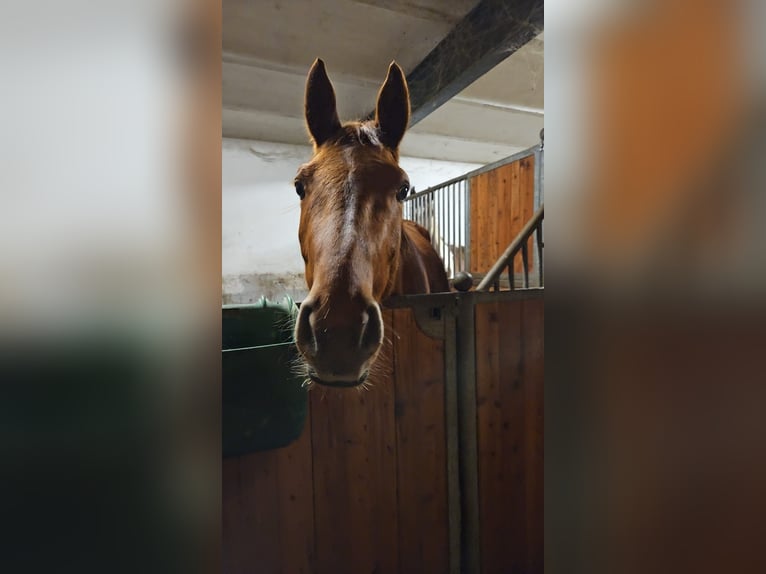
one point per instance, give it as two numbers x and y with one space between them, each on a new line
261 212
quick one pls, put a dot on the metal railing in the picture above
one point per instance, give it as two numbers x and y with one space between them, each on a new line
506 262
445 211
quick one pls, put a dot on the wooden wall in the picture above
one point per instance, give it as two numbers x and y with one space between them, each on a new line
509 393
364 489
502 201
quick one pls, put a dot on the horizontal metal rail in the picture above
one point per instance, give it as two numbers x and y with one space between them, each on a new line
444 210
506 260
483 169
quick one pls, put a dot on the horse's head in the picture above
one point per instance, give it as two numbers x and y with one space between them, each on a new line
350 229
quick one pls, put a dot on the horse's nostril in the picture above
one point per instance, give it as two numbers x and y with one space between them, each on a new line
304 334
372 330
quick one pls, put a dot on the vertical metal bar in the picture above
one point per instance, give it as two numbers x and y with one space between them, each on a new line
452 422
454 229
469 467
538 171
447 215
429 210
445 234
417 209
525 262
538 193
439 222
538 200
432 214
448 227
510 275
460 228
468 225
539 234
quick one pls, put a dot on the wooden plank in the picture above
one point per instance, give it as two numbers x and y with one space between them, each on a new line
354 454
510 223
421 448
268 523
502 201
487 421
296 505
258 539
490 227
509 345
533 343
477 220
500 436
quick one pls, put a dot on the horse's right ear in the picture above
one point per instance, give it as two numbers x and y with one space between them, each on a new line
321 113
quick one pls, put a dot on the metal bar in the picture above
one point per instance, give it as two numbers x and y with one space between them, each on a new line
460 227
468 225
504 161
419 211
431 300
469 466
502 261
441 226
540 176
453 227
269 346
448 230
483 169
445 229
540 253
510 276
525 262
537 195
432 213
452 423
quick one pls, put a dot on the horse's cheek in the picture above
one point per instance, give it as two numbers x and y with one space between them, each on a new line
309 275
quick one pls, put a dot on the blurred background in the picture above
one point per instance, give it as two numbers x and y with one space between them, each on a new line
109 286
656 276
110 255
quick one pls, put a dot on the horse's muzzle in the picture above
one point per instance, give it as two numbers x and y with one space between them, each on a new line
340 340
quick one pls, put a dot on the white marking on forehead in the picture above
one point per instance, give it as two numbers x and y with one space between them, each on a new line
348 229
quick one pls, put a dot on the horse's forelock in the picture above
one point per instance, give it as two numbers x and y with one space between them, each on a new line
358 133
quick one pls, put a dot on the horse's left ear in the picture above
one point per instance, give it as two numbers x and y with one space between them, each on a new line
321 113
392 113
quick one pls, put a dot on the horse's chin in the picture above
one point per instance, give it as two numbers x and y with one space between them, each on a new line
338 382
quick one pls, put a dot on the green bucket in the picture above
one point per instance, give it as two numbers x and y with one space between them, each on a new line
264 404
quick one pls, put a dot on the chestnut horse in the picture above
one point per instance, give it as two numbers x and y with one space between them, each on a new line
356 246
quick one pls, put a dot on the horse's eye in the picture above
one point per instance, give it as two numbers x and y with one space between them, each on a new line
299 189
403 191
